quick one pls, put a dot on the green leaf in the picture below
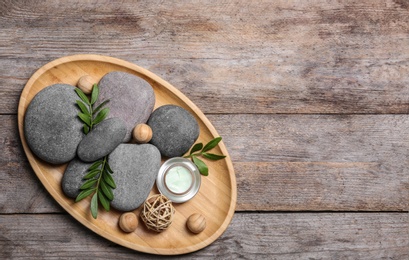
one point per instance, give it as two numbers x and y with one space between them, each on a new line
94 94
95 165
82 96
88 184
201 166
86 129
85 118
196 148
103 200
109 180
99 183
108 168
100 106
107 190
92 174
83 194
212 144
101 115
83 107
213 157
94 205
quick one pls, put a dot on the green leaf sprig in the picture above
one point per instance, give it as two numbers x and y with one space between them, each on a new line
98 180
89 115
200 150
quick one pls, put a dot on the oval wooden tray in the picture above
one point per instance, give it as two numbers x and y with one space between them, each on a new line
216 199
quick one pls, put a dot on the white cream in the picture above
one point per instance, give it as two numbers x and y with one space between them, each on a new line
178 179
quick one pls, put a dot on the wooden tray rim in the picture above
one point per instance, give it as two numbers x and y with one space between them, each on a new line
79 217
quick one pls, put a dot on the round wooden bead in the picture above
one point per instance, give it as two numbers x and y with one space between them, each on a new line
142 133
128 222
196 223
85 83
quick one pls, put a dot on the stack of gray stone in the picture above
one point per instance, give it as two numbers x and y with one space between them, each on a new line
54 134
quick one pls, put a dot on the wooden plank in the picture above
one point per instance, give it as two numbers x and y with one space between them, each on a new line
315 138
22 191
249 236
304 186
229 57
318 162
282 162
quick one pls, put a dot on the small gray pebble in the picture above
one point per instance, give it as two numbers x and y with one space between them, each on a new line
135 169
174 130
73 177
131 98
51 125
102 140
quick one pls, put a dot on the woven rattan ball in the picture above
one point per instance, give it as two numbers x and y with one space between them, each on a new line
157 213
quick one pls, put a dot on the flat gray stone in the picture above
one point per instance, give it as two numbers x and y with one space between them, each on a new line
174 130
135 170
131 98
102 140
51 126
72 178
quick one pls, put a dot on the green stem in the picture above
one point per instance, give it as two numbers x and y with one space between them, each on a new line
91 112
101 172
98 182
191 155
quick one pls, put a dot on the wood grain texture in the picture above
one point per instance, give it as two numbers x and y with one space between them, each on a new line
317 162
296 162
220 187
269 57
250 236
296 89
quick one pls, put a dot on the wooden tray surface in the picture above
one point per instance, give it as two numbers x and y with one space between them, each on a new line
217 196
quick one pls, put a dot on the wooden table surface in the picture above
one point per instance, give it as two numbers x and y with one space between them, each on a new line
311 98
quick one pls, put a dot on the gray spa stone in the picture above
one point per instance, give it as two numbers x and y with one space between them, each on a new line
102 140
131 98
72 178
51 126
174 130
135 170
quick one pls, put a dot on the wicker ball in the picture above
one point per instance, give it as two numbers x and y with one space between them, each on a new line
157 213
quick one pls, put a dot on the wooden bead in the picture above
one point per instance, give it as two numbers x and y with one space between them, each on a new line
142 133
196 223
85 83
128 222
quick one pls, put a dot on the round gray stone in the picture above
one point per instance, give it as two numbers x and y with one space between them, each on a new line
174 130
135 169
73 177
131 98
102 140
51 125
